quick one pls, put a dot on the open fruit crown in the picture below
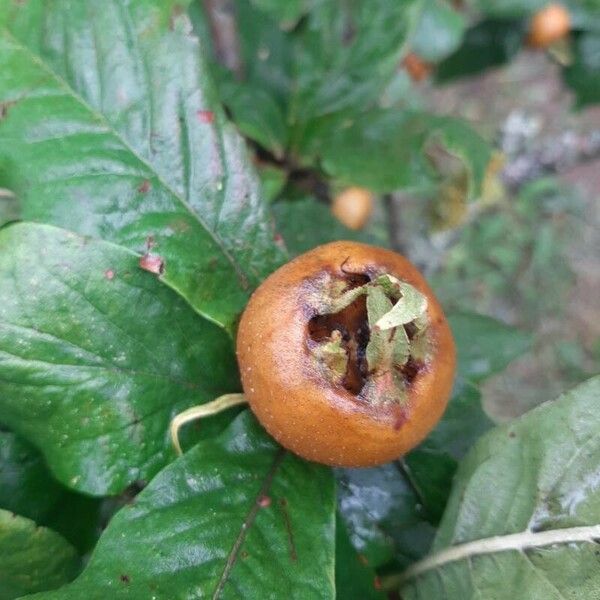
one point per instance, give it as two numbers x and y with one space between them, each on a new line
377 357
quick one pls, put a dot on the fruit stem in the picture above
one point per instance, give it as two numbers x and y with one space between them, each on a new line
200 412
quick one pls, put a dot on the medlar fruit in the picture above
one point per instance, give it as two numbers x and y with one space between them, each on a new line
345 355
353 207
548 26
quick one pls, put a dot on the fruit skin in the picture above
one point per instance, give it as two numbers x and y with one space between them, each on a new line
353 207
549 25
416 67
293 400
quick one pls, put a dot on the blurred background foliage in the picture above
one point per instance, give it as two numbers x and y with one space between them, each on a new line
479 150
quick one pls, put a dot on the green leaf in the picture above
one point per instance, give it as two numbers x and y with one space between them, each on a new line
354 578
288 13
583 76
325 64
487 44
113 129
385 150
336 52
462 424
28 488
510 8
236 516
530 486
10 209
96 357
306 223
412 305
377 505
485 346
273 181
584 13
257 115
32 559
26 485
433 463
438 32
379 351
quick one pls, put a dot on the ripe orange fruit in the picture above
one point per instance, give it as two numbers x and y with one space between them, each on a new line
416 67
548 26
353 207
345 355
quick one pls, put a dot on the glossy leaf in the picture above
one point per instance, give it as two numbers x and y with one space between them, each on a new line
485 346
32 559
354 578
236 516
376 504
533 478
96 357
113 129
26 486
487 44
438 32
384 150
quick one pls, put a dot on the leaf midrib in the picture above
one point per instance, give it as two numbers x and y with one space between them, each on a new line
520 542
110 128
248 522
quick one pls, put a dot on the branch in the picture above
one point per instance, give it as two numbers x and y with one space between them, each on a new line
223 26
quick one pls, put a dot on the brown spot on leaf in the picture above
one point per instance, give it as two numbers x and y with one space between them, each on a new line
264 501
124 578
144 187
205 116
377 583
176 12
179 225
152 264
4 108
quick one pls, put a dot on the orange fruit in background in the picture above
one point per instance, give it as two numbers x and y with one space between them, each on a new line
548 26
416 67
353 207
308 369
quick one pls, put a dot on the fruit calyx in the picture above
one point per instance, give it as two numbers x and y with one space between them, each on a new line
369 335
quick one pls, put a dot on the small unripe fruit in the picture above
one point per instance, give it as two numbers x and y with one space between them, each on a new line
416 67
353 207
345 355
548 26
